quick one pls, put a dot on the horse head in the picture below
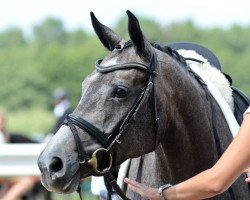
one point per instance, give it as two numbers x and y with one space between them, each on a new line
116 115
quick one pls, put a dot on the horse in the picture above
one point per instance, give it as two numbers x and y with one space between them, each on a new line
141 101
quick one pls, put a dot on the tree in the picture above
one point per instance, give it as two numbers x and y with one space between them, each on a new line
51 30
12 37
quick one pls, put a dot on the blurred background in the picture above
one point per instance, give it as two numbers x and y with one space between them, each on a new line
45 45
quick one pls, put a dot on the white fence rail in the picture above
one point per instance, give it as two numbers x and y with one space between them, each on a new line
19 159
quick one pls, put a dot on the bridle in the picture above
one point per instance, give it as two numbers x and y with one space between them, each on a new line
108 141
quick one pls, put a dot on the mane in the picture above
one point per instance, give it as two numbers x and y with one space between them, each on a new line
166 49
186 56
173 53
213 74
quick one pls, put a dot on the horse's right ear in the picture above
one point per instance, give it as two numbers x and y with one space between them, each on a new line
108 37
141 44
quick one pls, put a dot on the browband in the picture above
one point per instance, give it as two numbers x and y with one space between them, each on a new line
130 65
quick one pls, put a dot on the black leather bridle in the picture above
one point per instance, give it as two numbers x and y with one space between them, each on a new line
108 141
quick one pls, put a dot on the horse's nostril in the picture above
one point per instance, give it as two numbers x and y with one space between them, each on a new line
56 165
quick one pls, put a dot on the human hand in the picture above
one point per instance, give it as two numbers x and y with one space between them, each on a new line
248 172
146 192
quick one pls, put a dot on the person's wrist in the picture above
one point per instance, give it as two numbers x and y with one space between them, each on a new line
161 189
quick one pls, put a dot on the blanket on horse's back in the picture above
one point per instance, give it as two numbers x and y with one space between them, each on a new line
240 100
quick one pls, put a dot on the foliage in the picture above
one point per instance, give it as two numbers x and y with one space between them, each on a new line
54 57
33 122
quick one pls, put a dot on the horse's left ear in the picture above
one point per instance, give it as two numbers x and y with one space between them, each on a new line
108 37
141 44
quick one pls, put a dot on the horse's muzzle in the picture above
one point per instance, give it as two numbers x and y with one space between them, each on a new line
57 175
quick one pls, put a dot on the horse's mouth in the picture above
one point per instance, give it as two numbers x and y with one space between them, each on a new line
57 185
71 186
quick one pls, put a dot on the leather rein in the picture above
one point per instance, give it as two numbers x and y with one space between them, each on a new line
108 141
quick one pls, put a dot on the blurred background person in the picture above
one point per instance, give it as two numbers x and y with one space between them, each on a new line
3 136
61 107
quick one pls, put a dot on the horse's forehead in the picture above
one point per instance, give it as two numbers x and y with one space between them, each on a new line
128 77
122 56
93 77
111 61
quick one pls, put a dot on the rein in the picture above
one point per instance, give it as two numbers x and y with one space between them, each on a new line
108 141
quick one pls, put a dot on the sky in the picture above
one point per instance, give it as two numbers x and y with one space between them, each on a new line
75 13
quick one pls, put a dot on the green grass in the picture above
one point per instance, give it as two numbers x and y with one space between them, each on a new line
73 196
32 122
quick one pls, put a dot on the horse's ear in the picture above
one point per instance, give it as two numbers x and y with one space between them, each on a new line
142 46
108 37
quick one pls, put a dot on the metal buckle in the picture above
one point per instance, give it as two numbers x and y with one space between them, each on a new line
94 161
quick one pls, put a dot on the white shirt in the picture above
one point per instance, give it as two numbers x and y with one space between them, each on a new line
2 139
61 108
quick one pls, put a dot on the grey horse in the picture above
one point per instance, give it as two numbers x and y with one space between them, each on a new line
140 101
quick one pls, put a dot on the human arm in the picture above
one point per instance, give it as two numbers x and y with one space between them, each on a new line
18 186
212 181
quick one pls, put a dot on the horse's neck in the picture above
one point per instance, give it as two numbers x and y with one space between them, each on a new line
187 144
150 169
187 137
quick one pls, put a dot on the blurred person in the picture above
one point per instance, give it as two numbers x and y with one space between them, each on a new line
3 135
14 187
61 107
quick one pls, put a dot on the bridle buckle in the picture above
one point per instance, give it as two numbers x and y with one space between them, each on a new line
94 161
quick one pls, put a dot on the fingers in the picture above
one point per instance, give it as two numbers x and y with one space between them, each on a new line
144 191
129 181
247 171
247 180
134 185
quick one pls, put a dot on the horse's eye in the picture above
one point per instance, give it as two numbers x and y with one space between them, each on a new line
120 92
118 46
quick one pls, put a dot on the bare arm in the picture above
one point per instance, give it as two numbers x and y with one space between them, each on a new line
212 181
19 186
